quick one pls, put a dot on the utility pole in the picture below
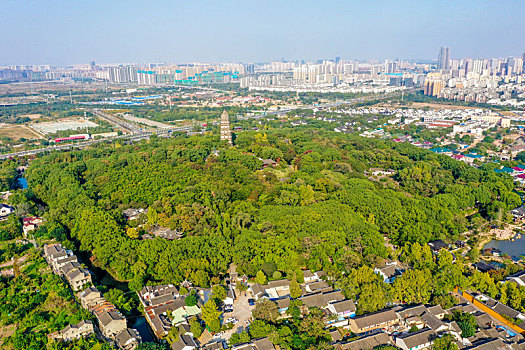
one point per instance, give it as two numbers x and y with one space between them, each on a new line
85 119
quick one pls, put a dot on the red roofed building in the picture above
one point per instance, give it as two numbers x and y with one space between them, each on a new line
30 224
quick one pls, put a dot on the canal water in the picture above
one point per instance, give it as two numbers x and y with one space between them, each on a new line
21 182
515 249
141 325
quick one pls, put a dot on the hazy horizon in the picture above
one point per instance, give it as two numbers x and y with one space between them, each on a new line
66 33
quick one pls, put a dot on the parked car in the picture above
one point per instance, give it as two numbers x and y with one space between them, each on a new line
251 302
218 335
232 320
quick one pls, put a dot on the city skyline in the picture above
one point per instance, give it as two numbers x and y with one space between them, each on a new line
63 34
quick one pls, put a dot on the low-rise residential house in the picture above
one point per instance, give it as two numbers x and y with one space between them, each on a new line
366 342
437 245
111 323
483 266
158 300
149 293
490 344
230 296
258 344
499 307
74 331
518 278
78 278
434 323
466 307
366 323
342 309
412 311
269 163
185 342
315 286
128 339
321 300
277 289
104 306
437 311
59 264
55 255
389 272
30 224
133 214
213 346
283 304
310 276
165 233
90 297
273 290
518 213
258 290
68 267
5 210
336 335
422 339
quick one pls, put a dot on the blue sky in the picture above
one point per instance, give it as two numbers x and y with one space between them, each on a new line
108 31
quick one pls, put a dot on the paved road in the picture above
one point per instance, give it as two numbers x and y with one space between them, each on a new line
125 126
11 262
134 137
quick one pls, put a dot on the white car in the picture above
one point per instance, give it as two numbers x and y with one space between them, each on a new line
218 335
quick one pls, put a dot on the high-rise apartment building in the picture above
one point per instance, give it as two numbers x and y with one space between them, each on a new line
444 58
433 84
226 134
126 74
390 67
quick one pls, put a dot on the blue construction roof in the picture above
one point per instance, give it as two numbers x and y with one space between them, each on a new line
504 170
472 155
440 150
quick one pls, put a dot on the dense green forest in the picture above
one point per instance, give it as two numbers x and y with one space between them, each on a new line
316 209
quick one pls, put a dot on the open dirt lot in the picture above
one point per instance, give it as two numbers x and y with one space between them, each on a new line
17 132
63 124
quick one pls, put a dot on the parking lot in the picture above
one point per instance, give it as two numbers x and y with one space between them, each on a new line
242 311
